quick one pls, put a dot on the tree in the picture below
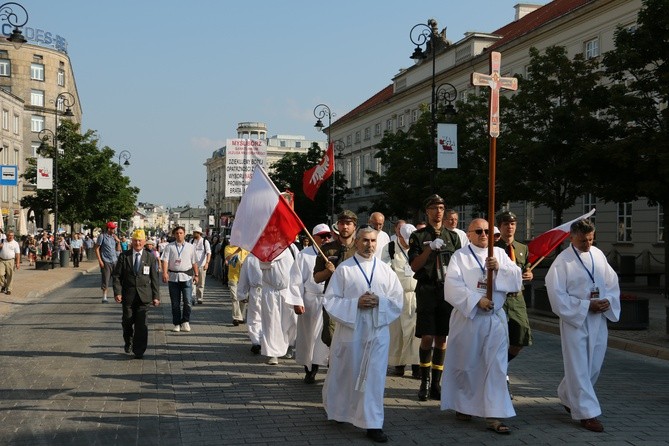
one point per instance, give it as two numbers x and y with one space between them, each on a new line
552 126
637 161
91 185
287 174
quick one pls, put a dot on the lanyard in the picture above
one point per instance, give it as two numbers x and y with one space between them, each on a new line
176 246
403 253
477 259
591 274
371 276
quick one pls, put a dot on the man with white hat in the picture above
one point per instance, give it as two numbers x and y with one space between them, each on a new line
203 256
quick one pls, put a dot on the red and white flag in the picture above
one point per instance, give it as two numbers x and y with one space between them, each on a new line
314 177
544 244
265 224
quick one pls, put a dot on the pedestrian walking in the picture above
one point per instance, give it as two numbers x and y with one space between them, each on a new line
180 270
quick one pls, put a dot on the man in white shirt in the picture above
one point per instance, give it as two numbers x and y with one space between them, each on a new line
451 222
180 270
203 256
10 258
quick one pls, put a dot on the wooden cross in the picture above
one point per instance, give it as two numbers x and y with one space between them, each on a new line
495 82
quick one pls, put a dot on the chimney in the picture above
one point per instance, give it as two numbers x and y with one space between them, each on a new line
522 9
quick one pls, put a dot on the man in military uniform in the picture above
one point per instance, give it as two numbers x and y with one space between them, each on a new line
520 334
430 250
338 250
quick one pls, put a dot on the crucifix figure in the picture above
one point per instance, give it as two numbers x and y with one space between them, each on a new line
495 82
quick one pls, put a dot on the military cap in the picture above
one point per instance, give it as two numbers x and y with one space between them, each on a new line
433 199
347 215
506 217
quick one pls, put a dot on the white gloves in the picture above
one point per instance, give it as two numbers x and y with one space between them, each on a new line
436 244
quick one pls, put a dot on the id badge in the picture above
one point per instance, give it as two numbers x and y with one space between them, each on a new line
594 293
177 262
147 270
482 285
408 272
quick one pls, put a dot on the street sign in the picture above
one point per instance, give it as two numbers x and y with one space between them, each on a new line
9 175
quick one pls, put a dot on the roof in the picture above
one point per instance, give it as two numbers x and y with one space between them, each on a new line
518 28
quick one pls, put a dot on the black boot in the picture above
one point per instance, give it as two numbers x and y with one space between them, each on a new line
425 365
437 369
310 376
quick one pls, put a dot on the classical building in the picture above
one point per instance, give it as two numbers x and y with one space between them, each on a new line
630 229
38 85
221 207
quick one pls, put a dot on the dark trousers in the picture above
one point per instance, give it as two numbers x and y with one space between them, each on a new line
180 291
75 257
134 325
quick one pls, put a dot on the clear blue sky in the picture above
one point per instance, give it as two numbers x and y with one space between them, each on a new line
169 81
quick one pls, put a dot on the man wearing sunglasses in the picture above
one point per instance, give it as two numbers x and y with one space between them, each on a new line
430 250
476 359
520 334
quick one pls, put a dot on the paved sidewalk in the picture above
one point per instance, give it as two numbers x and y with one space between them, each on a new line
66 381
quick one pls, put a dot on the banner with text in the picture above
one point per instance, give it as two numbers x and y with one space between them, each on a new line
447 146
44 173
241 156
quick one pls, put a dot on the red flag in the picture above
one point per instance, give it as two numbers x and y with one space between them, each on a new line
314 177
544 244
265 224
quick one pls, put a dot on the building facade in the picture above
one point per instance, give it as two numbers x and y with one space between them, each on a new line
223 208
581 26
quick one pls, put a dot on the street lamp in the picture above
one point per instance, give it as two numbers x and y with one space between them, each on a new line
64 99
7 13
428 35
125 155
321 111
447 93
338 147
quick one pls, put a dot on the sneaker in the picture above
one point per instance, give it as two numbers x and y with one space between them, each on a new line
105 300
290 353
185 326
199 301
176 328
273 360
255 349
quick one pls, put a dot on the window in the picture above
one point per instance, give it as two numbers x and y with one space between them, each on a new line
17 124
589 203
36 123
5 67
592 48
400 121
414 116
349 140
61 78
282 143
37 71
355 171
377 129
368 133
37 98
357 137
34 148
660 223
298 144
625 222
5 120
389 125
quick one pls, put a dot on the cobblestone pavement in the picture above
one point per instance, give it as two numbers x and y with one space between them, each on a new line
66 381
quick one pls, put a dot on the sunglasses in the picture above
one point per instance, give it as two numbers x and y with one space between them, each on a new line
480 231
325 236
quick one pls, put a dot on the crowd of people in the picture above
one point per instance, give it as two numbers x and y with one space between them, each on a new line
362 304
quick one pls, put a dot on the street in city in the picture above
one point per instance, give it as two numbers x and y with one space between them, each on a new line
67 381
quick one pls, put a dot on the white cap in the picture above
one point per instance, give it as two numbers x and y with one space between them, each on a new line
496 231
198 229
334 229
406 231
320 228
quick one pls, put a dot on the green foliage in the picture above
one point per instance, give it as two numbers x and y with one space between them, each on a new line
91 184
287 174
553 126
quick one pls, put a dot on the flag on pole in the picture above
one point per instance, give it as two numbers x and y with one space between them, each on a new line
264 223
544 244
314 177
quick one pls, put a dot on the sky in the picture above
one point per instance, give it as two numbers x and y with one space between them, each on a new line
169 81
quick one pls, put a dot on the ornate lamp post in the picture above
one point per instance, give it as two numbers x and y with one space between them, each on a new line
321 111
125 156
7 13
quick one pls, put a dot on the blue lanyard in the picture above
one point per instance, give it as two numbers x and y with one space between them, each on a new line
591 274
477 259
176 246
403 253
371 277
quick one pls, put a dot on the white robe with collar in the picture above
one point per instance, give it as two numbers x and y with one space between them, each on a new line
584 334
250 283
354 385
474 378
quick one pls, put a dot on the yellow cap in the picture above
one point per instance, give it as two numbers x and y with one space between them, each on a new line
138 234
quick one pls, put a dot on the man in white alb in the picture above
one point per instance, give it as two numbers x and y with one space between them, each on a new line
203 256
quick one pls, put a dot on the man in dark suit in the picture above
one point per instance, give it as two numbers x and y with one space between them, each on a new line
136 286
